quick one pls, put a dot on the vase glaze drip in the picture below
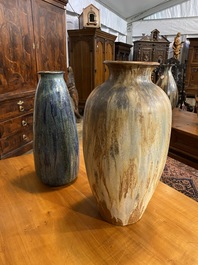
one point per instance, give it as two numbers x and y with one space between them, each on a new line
55 143
126 134
167 82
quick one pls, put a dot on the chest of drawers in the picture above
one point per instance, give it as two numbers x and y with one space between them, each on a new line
16 124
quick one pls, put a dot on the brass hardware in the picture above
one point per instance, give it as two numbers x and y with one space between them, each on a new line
25 138
21 108
20 103
24 123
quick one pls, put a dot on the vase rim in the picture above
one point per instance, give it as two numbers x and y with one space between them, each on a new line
143 63
51 72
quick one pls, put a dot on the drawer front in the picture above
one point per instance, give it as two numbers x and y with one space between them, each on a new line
184 143
13 108
16 140
15 125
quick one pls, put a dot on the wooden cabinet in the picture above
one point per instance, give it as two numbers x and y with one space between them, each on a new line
122 51
152 48
33 38
88 49
191 80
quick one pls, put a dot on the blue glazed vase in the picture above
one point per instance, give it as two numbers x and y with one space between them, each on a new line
55 142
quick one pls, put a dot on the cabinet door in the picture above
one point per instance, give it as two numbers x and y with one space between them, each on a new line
82 63
50 36
17 54
192 69
109 55
99 62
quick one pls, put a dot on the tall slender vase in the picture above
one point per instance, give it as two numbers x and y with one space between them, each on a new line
167 82
126 134
55 143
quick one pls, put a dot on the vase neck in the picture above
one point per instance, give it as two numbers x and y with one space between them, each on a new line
130 72
51 74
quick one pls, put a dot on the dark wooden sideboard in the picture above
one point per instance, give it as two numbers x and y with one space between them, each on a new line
32 39
184 137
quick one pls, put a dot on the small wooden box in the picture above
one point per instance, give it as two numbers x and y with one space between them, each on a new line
90 17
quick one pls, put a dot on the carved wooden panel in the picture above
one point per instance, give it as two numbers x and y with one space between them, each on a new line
160 53
17 55
49 25
153 48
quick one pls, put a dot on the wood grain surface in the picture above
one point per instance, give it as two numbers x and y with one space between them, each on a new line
42 225
184 137
185 121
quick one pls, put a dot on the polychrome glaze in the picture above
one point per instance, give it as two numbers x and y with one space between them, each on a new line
126 134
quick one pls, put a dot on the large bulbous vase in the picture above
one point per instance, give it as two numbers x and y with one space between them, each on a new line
126 134
167 82
55 138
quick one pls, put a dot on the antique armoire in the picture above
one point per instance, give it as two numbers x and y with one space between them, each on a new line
88 49
32 39
191 80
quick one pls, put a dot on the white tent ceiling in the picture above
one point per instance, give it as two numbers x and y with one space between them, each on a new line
133 10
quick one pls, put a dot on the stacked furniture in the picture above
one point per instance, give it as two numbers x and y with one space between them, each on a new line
33 38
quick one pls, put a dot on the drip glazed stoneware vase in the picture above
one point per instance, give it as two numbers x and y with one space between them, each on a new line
55 142
167 82
126 134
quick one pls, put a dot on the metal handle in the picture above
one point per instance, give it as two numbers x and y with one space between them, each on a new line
25 138
24 123
21 108
20 103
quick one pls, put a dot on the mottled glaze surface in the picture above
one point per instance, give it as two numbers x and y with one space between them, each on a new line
126 134
55 145
167 82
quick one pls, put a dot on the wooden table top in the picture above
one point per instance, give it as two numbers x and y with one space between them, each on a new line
185 121
61 226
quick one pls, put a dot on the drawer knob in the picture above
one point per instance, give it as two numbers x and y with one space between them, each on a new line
25 138
24 123
21 108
